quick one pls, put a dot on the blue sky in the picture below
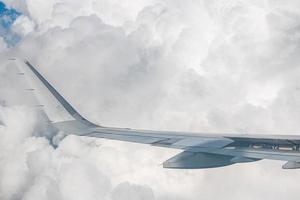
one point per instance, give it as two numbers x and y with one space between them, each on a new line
7 18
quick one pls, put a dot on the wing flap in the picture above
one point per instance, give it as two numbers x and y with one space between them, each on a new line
159 139
128 138
291 165
253 153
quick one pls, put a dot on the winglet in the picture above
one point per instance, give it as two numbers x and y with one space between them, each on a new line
55 105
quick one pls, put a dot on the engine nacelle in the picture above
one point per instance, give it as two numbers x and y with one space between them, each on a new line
199 160
192 160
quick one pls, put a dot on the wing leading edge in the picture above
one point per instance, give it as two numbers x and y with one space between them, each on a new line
199 150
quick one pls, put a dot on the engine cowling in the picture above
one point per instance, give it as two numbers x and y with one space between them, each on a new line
192 160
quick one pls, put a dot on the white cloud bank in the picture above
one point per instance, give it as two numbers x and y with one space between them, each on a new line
215 66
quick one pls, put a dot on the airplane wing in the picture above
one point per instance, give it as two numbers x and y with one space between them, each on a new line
199 150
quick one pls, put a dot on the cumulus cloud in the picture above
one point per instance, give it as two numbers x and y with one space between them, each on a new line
206 66
23 25
2 45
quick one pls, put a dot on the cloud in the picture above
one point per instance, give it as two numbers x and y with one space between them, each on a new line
206 66
7 17
134 192
23 25
2 45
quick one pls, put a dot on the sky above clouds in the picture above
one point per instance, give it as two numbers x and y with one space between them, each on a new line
203 66
7 18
